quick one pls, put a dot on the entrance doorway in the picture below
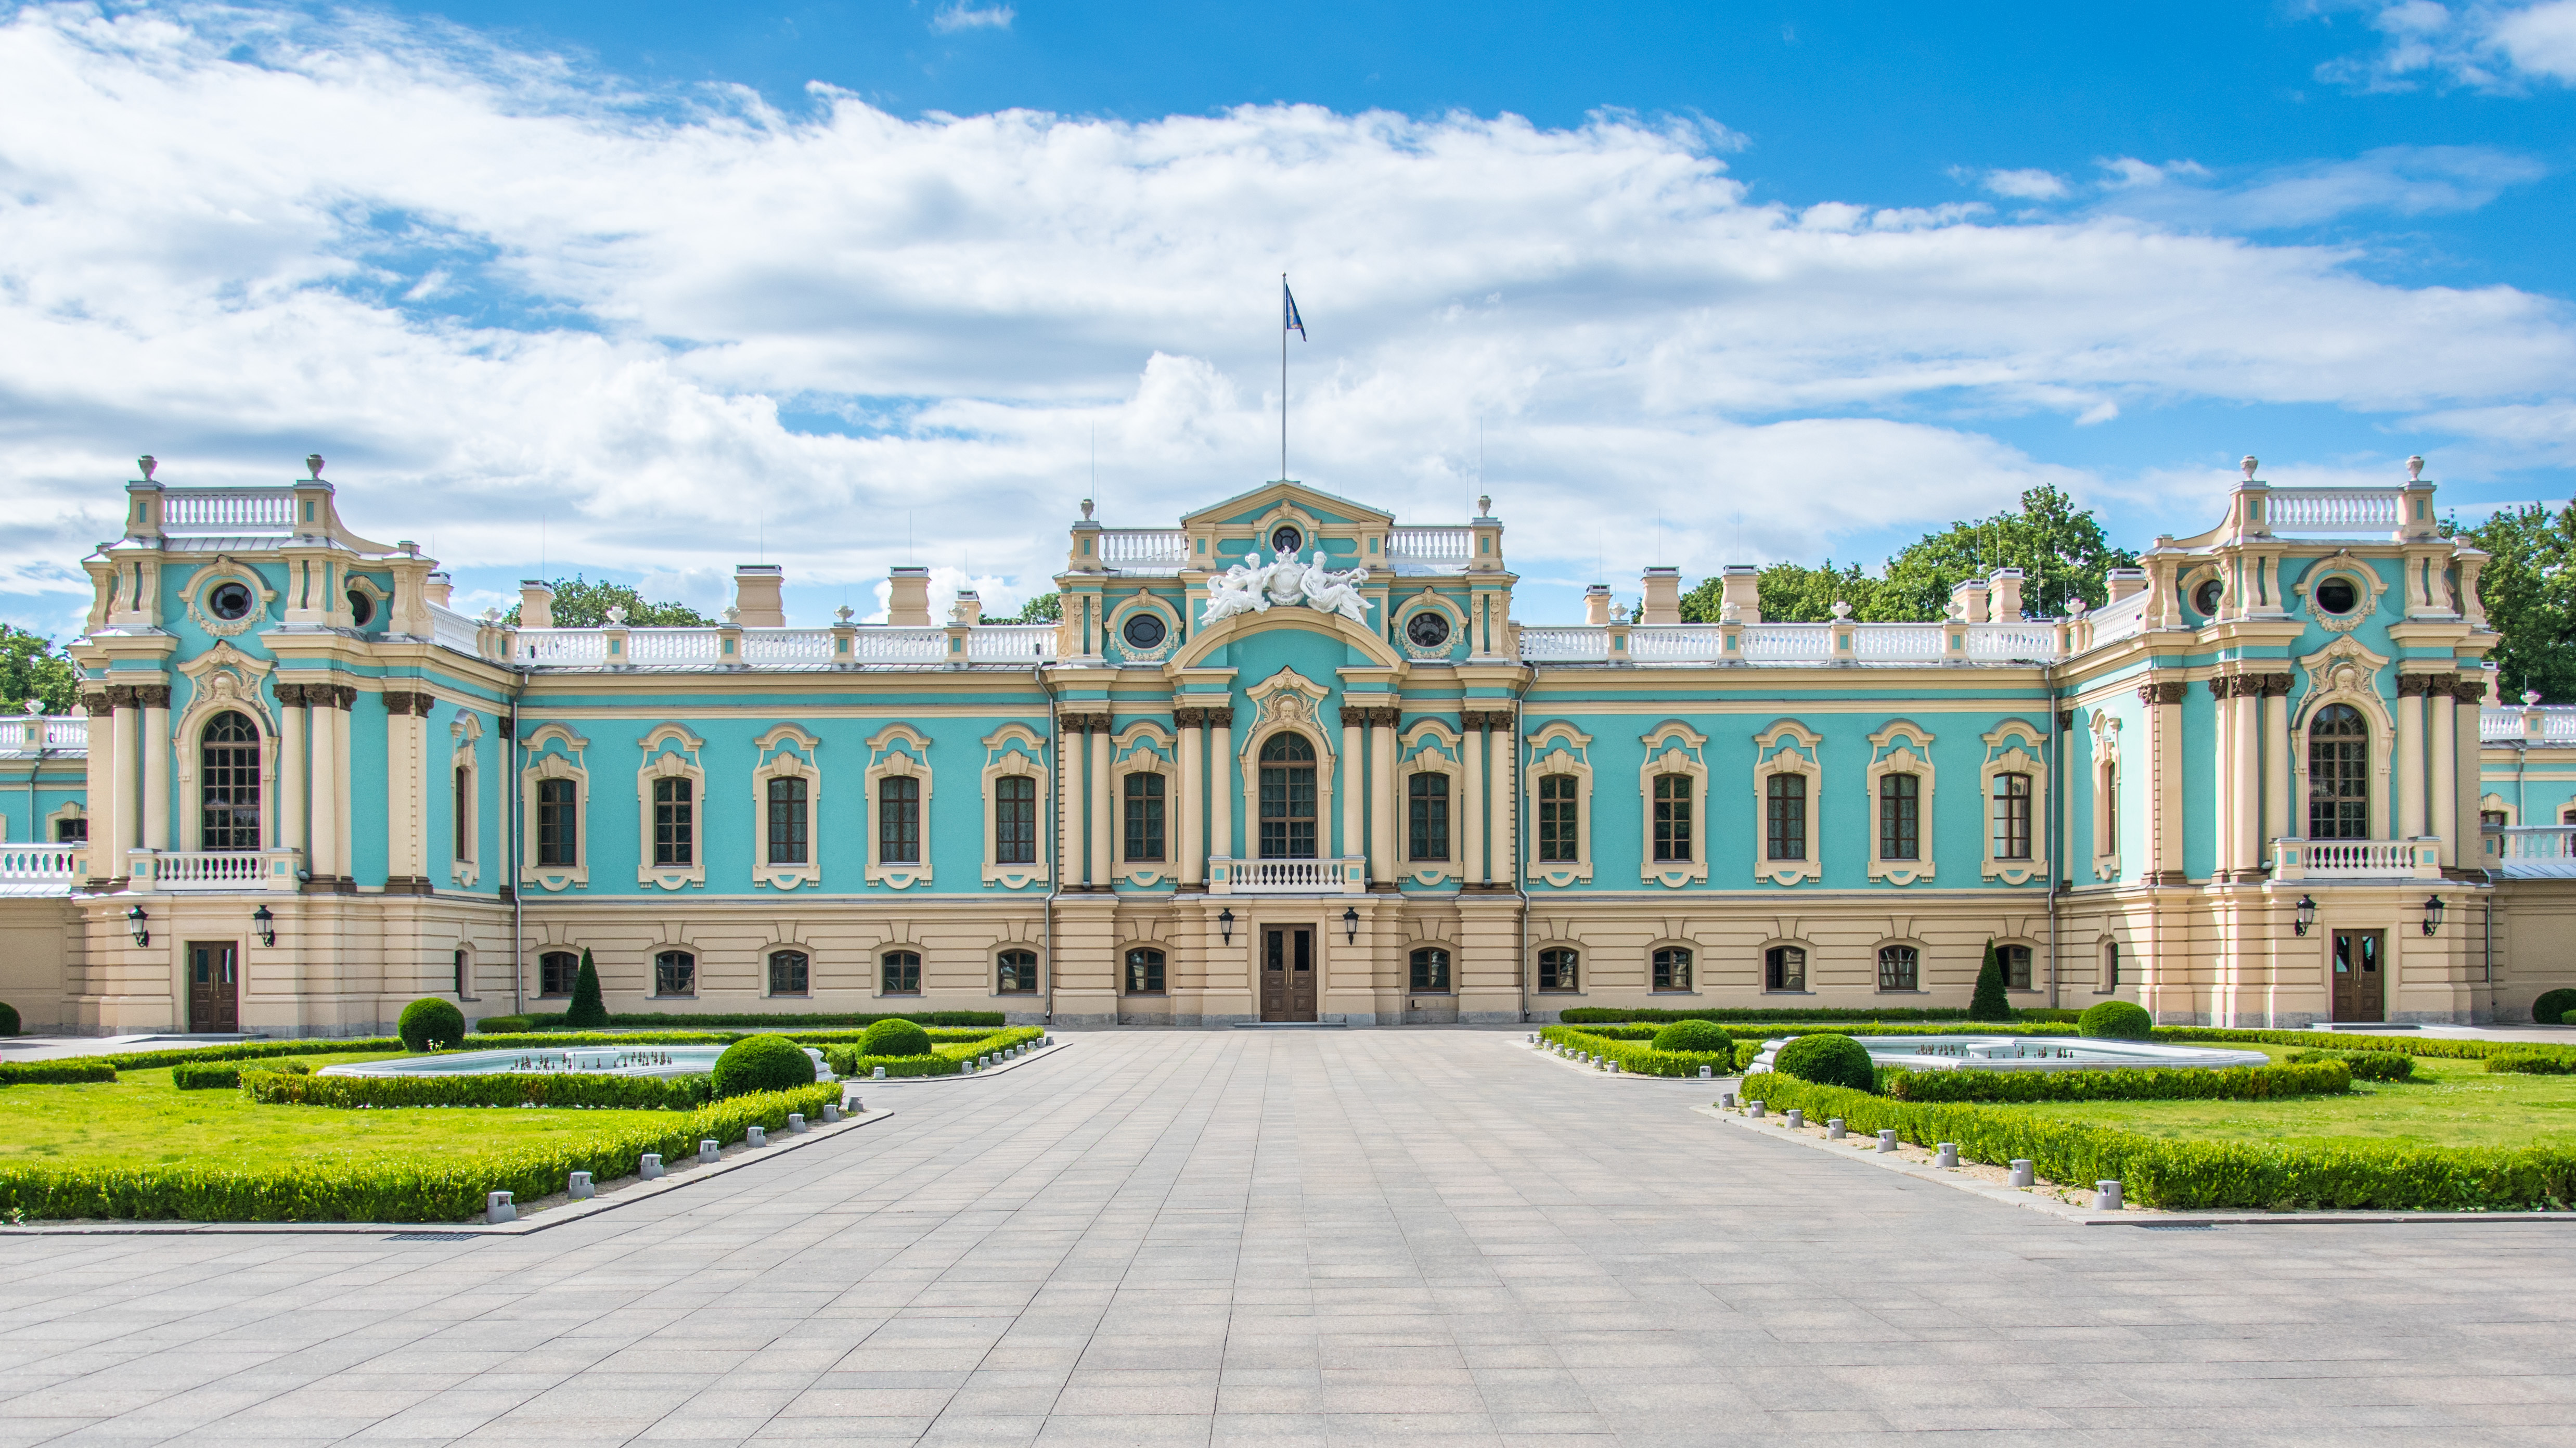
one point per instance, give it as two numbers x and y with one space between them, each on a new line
2359 983
1287 972
214 986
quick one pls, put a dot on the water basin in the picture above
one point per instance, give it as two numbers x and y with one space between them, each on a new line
2030 1053
590 1060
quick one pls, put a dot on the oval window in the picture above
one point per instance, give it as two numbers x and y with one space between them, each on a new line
362 609
229 601
2337 595
1143 631
2205 598
1427 629
1284 539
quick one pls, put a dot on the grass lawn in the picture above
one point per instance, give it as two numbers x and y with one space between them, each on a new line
142 1120
2449 1103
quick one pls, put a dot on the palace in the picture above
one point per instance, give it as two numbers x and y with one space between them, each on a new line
1285 761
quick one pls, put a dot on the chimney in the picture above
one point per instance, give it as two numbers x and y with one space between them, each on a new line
2004 595
1663 596
908 602
440 588
2126 583
1740 587
756 600
536 604
1968 600
968 609
1596 605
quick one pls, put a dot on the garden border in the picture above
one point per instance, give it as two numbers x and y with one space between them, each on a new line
1041 1053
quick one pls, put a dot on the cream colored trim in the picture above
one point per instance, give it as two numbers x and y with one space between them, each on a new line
1673 747
1289 702
2015 747
1141 601
2344 672
1144 748
2363 578
1560 748
1788 747
786 752
70 810
572 763
1689 947
1428 600
1429 747
671 752
382 600
1903 747
1018 751
221 678
227 568
467 730
2491 802
2104 778
898 750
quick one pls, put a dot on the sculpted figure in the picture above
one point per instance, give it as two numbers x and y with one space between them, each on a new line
1329 592
1240 589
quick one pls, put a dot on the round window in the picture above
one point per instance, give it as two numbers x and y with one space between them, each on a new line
229 601
2205 598
2337 595
1143 631
1284 539
1428 629
362 609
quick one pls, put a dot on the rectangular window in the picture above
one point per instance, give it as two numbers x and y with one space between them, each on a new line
2012 816
1672 969
71 832
1015 820
1784 827
557 972
1558 970
1899 967
1784 967
2110 966
1430 964
1016 972
790 973
1144 817
1900 817
2015 960
1144 972
558 824
901 970
460 976
675 823
899 820
1559 826
787 834
1673 817
2110 809
2494 819
1427 817
464 812
675 973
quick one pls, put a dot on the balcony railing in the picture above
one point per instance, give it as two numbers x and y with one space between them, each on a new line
1431 545
60 733
1345 876
2418 859
227 510
212 871
2538 724
1142 548
2336 511
30 869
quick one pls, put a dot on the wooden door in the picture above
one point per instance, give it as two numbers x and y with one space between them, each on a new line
1288 973
214 986
2360 990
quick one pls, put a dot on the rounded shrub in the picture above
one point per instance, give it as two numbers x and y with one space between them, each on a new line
2553 1006
8 1019
431 1019
1827 1060
1694 1036
895 1038
2116 1021
762 1063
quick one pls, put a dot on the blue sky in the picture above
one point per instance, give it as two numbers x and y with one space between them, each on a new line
848 285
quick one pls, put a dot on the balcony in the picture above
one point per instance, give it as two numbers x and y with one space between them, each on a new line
194 872
2530 852
2418 859
1345 876
40 869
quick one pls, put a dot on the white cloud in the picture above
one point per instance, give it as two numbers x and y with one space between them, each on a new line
2029 184
495 290
960 15
2492 47
2402 180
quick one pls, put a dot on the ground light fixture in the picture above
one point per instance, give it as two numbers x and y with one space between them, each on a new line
266 924
2432 913
2307 914
134 919
1225 924
1351 925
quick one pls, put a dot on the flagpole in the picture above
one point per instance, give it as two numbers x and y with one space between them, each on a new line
1283 379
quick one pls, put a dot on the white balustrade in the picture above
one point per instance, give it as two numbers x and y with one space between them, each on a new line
1565 645
558 647
1284 877
186 871
2113 622
1431 545
452 630
228 510
667 646
2557 725
900 646
2295 859
1788 642
2530 842
1897 643
1010 643
1144 547
2035 641
60 733
40 864
1681 643
786 646
2332 510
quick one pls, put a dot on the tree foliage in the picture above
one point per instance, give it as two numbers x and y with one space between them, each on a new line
31 667
580 603
1045 608
2530 594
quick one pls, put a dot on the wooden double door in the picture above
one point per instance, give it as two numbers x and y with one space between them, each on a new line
2360 982
1288 972
214 986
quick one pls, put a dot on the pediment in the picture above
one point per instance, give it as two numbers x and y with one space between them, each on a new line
1244 509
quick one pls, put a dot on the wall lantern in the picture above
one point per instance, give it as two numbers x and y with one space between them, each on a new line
134 919
1225 924
2432 913
1351 925
2307 913
266 924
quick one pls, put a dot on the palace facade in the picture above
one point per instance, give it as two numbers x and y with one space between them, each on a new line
1285 761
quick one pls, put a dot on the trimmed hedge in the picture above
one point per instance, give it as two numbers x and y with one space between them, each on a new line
315 1188
945 1059
429 1022
1600 1015
9 1022
2116 1021
72 1072
1636 1053
2552 1006
2439 1047
2364 1065
756 1020
2233 1083
220 1076
1694 1036
1828 1059
2204 1175
516 1088
2531 1063
762 1063
895 1038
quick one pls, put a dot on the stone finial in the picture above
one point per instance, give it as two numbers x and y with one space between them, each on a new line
313 465
1086 510
36 706
2529 696
492 615
731 614
1842 609
1729 613
2249 465
2414 469
844 613
1484 505
147 462
617 613
2075 606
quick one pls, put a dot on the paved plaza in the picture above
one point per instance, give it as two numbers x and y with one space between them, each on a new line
1277 1238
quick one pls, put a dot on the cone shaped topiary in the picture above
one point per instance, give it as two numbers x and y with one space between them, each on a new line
1693 1036
895 1038
8 1019
1827 1060
586 1009
431 1020
762 1063
2116 1021
1990 1002
2553 1006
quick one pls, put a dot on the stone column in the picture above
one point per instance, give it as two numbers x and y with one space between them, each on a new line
100 797
2407 760
1068 803
407 792
2281 808
1221 780
2164 782
1385 837
1103 867
1193 800
2222 813
125 831
2248 703
155 699
2468 696
1471 811
291 771
1502 773
326 719
343 786
2442 809
1353 785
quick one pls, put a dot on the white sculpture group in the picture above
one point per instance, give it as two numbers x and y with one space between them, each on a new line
1253 587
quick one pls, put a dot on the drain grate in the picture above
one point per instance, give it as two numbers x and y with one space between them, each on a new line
2175 1226
431 1237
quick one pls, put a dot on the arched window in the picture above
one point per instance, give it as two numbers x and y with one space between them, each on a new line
1427 818
1430 963
1145 971
229 816
1672 817
1900 816
557 972
1288 798
1672 969
1016 972
1900 967
791 972
2339 774
1559 969
2110 966
2012 816
1784 967
460 974
901 972
675 973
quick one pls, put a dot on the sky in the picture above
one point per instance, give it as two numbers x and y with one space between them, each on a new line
647 290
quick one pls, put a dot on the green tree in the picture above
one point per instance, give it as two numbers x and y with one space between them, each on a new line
580 603
1045 608
586 1008
2058 547
1792 593
1990 1003
31 667
2530 592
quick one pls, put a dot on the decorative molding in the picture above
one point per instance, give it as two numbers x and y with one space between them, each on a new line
786 752
1286 702
899 750
2015 746
554 752
402 704
1788 747
1558 748
671 752
2106 794
227 568
2153 694
221 679
1673 748
1429 747
2364 578
1145 748
1017 751
1903 747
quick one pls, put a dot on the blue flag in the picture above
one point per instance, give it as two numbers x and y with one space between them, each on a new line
1289 321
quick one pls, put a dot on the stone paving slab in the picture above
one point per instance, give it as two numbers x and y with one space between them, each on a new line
1357 1237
